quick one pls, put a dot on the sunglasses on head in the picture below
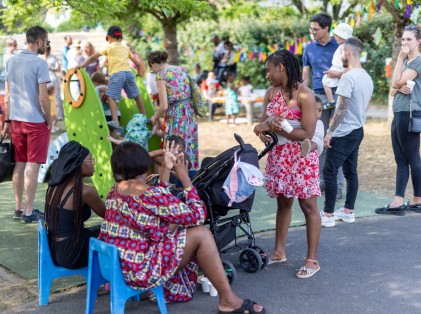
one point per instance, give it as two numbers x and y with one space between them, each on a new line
411 28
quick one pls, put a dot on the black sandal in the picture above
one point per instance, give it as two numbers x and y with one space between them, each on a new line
246 306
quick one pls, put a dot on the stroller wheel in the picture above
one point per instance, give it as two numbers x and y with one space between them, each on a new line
250 260
263 254
229 271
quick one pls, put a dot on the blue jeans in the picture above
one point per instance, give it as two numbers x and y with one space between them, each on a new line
406 148
344 152
326 117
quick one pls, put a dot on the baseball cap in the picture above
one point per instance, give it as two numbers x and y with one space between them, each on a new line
343 30
115 31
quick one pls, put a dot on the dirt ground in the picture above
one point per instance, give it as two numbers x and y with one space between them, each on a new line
376 166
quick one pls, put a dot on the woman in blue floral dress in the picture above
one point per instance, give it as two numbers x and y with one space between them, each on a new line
175 103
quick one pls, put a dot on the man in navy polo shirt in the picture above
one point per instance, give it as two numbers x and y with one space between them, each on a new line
317 59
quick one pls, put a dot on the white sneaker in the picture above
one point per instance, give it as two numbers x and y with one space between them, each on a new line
341 215
327 222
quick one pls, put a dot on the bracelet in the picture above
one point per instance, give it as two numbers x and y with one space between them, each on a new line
8 121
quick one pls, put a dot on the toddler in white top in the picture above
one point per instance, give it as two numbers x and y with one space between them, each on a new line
341 33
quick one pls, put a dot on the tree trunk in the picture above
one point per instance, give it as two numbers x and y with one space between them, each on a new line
336 8
170 40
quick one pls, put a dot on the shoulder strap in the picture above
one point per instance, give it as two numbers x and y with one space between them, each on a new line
66 197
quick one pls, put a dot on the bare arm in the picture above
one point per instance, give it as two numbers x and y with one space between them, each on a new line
7 130
114 140
44 101
163 100
90 59
307 103
306 75
138 65
342 108
399 78
91 198
343 104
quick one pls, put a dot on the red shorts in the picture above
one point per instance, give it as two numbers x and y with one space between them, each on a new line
30 141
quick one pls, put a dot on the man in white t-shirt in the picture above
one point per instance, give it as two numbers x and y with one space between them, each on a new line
28 119
345 134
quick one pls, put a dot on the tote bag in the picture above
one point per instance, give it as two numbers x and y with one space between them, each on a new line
7 162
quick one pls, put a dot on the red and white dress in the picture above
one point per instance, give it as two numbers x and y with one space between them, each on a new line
287 172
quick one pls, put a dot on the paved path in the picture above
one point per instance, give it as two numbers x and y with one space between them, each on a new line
371 266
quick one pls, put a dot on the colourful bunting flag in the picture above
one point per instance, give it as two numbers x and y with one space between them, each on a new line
371 12
414 16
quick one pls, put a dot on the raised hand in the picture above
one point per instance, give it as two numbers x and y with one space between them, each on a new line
170 154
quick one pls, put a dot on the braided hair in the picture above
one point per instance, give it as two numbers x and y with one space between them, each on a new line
292 68
53 201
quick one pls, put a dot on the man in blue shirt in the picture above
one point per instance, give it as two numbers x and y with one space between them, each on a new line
317 59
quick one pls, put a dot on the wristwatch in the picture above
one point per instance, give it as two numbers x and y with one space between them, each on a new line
8 121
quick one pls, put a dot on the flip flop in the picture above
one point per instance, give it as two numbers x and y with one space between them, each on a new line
306 272
278 260
246 307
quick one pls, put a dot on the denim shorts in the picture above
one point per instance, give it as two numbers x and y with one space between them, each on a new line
122 80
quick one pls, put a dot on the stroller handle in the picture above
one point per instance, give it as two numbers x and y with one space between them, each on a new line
269 144
239 140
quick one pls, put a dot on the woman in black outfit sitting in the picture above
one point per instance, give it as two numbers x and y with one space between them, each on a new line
68 205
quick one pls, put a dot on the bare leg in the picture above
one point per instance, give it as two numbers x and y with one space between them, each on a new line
397 201
113 108
329 93
18 182
313 226
228 119
201 245
234 116
283 219
415 200
140 105
31 179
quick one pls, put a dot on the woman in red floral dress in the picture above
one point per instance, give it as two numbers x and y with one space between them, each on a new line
288 174
159 238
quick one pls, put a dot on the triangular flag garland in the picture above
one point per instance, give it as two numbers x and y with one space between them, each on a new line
296 46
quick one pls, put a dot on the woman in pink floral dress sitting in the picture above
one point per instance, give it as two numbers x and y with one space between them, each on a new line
160 238
288 174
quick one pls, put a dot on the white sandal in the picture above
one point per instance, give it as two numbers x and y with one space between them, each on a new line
306 272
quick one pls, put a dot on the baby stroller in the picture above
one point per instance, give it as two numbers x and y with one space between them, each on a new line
210 181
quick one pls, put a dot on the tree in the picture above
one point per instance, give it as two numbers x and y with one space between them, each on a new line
19 13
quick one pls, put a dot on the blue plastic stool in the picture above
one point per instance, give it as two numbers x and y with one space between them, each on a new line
104 266
47 270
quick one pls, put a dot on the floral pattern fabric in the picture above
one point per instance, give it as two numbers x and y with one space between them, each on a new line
287 172
140 227
181 118
231 102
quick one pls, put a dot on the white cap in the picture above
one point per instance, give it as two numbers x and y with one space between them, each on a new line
343 30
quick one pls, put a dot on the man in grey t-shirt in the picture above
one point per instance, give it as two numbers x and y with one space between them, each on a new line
345 134
28 119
